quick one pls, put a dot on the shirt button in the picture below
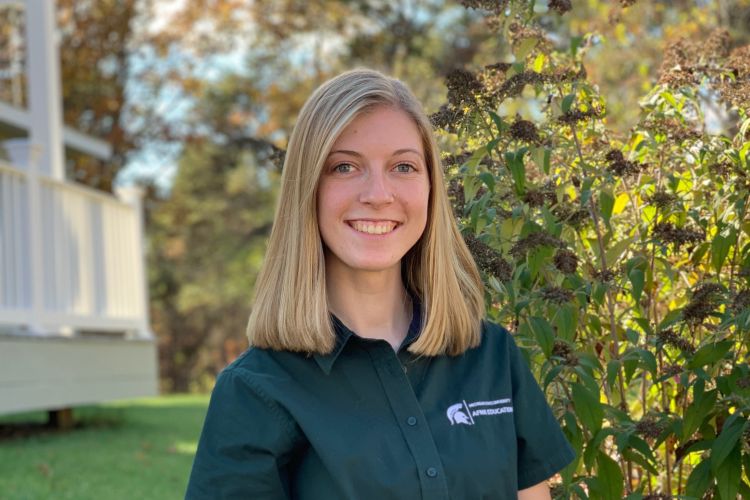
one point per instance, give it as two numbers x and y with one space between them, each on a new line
411 420
432 472
404 368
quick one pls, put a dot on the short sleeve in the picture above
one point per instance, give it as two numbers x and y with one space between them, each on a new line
542 447
245 446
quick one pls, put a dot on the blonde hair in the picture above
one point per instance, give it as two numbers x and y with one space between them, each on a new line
290 310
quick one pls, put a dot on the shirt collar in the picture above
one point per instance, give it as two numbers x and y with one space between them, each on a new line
343 334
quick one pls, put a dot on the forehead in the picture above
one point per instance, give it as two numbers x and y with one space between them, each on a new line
381 128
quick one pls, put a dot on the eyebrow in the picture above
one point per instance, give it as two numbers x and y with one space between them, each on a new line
359 155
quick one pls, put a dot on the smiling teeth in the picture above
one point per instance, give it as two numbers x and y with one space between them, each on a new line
371 228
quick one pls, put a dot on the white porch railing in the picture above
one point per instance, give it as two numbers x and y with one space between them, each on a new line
71 258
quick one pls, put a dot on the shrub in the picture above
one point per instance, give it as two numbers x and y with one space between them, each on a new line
621 262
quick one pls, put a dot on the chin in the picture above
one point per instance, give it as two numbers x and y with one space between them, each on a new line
373 267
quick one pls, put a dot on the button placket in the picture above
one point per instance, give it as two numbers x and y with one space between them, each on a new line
408 413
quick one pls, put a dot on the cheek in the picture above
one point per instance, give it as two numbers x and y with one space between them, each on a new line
420 200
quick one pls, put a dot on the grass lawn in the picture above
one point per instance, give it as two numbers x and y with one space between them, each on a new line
134 449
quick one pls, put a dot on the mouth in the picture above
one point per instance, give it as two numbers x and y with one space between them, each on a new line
373 227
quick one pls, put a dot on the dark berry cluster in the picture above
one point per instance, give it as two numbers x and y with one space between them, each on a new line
705 298
676 130
447 118
670 337
649 427
499 67
513 86
556 294
572 215
721 168
652 496
537 197
741 301
619 166
560 6
737 90
566 261
668 233
661 199
605 275
463 88
496 6
524 130
488 259
573 116
533 241
563 350
456 160
671 370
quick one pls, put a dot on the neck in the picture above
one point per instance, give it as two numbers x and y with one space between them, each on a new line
373 304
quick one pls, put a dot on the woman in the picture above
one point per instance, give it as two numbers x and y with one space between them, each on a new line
372 373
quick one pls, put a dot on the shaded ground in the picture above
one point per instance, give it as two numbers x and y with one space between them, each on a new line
136 449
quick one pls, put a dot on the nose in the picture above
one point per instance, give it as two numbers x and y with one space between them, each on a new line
376 189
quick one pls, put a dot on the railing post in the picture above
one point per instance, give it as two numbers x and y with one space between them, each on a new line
36 242
133 195
45 133
43 80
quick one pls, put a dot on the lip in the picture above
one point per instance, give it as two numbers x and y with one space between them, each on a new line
367 219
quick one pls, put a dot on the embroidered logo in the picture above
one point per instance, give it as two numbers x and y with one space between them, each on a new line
463 413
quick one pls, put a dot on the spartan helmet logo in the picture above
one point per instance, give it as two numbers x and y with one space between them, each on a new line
456 415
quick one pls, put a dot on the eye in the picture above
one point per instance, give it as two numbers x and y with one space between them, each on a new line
343 168
405 168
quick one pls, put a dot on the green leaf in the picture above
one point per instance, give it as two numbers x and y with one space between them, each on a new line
697 412
588 407
575 43
614 253
543 334
640 460
499 123
612 368
592 447
567 102
518 172
720 249
642 446
541 157
699 480
647 360
710 353
488 179
744 489
550 376
606 204
726 441
525 47
728 475
637 279
611 477
566 320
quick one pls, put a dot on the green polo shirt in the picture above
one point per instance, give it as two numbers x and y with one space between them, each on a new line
368 422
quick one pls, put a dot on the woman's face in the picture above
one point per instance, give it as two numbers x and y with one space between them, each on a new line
373 192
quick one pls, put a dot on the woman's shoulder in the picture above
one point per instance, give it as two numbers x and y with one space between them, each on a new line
266 364
495 335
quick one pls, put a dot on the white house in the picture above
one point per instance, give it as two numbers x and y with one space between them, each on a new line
74 325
